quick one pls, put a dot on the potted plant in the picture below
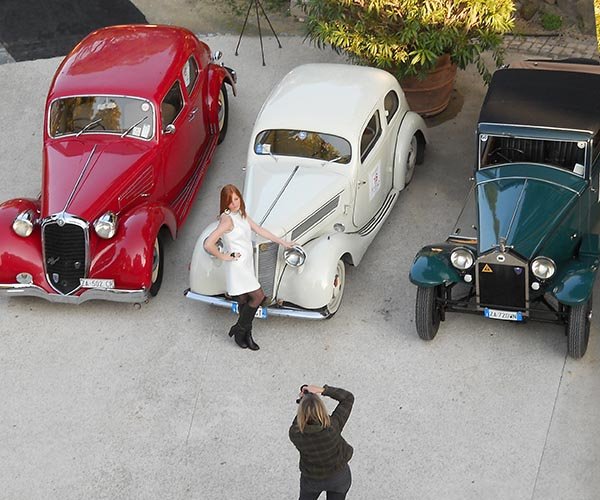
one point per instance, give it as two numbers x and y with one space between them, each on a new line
422 43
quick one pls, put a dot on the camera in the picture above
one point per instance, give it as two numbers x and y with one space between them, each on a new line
303 391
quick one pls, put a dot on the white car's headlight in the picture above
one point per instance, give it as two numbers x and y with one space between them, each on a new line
23 223
462 258
294 256
106 225
543 268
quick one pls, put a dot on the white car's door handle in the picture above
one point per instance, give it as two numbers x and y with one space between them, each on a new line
361 183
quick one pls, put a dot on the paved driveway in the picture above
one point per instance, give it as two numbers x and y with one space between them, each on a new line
113 401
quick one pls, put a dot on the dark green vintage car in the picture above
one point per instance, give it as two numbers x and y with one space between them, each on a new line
526 245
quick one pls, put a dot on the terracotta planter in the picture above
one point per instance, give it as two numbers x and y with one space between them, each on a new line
431 95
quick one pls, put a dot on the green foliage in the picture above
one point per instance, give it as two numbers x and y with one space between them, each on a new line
551 22
406 37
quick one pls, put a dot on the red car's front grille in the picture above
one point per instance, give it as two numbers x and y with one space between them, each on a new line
64 255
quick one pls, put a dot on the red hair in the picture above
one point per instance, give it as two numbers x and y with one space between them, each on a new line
227 196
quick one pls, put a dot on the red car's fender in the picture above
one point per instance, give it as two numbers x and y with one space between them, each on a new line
19 254
127 258
216 76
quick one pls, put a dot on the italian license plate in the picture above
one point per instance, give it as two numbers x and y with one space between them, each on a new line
505 315
261 312
97 283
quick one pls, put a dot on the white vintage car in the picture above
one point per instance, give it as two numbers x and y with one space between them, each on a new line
332 147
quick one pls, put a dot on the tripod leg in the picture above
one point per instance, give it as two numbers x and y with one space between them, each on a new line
244 26
270 25
262 50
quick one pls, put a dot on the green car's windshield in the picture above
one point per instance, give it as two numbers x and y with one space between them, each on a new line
304 144
566 155
102 114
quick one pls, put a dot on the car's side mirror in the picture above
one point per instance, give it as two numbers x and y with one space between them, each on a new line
170 129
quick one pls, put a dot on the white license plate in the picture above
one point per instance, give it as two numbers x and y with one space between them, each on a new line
261 312
505 315
97 283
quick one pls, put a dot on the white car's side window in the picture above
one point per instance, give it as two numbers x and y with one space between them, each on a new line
370 135
391 104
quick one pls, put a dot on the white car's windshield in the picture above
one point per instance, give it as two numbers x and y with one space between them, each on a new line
304 144
102 114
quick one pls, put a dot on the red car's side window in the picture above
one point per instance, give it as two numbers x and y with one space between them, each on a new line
171 105
189 73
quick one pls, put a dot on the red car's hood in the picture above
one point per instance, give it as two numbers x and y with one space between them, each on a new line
106 168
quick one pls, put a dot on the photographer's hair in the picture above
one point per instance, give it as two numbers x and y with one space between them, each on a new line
227 195
312 410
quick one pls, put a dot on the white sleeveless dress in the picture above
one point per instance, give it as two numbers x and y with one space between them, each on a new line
239 273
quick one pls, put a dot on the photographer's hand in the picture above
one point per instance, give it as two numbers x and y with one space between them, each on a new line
315 389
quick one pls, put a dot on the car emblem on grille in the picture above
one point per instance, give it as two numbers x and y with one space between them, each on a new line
52 260
518 270
487 269
55 277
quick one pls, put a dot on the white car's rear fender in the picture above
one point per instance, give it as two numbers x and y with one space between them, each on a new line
411 124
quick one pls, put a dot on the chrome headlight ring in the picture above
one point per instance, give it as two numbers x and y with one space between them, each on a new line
462 258
543 268
23 223
106 225
295 256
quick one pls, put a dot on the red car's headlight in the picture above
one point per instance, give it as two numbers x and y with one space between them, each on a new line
106 225
23 223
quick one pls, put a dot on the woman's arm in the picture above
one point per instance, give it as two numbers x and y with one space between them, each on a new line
261 231
342 411
210 244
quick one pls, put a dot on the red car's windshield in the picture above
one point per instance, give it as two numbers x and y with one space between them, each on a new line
102 114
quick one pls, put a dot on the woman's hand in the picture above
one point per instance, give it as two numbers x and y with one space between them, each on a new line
232 256
314 389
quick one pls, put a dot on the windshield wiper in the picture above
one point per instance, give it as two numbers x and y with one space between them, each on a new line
133 126
332 160
88 126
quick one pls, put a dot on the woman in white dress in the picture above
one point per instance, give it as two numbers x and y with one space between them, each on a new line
235 228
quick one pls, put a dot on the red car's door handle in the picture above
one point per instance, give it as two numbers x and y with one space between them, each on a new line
192 114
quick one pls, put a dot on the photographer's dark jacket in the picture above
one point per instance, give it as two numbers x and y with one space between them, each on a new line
323 451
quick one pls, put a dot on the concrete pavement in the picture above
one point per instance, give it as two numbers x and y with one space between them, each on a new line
110 401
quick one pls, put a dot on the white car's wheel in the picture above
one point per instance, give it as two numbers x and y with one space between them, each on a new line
339 282
411 160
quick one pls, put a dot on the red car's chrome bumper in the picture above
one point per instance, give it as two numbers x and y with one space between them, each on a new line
114 295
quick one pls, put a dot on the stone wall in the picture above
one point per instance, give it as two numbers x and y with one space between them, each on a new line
577 13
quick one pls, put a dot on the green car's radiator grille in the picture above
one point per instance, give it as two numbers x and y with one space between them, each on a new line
502 286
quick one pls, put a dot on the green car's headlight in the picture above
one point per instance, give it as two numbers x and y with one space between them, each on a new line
462 258
23 223
106 225
295 256
543 268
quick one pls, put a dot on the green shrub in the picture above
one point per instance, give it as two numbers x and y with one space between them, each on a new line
406 37
551 22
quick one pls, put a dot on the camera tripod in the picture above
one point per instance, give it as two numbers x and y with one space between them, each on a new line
257 5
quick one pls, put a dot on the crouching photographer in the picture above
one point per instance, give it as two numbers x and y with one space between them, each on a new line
324 454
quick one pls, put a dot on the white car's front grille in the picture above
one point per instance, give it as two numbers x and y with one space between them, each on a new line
266 266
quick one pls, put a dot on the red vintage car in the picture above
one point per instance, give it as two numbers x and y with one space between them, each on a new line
133 116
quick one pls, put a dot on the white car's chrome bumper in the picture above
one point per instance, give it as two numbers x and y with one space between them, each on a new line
114 295
271 311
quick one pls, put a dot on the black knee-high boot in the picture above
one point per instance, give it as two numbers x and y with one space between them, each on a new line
237 331
246 317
